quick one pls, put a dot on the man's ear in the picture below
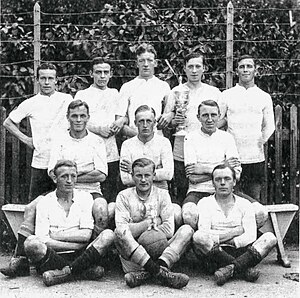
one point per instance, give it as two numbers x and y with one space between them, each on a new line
52 176
91 73
155 63
135 123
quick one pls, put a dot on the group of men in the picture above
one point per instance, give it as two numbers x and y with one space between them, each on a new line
100 197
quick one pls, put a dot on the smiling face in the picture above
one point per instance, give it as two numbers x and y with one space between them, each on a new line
208 117
146 63
143 178
78 118
223 182
101 75
246 71
47 81
194 69
145 122
65 178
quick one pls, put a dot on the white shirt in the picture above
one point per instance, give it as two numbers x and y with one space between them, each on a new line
103 108
196 96
158 149
51 217
47 116
209 150
89 154
213 220
139 92
250 119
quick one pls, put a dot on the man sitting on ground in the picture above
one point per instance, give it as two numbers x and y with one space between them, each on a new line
226 236
136 209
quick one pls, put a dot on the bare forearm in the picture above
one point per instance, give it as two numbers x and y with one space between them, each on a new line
128 131
196 178
234 232
91 177
64 246
75 235
138 228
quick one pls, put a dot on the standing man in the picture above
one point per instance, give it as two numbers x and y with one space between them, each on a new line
146 89
64 222
103 103
250 118
88 152
226 235
203 150
198 92
136 210
46 112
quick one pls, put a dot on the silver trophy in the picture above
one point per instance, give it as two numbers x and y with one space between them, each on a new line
181 102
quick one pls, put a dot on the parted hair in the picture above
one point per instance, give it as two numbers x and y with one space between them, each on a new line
210 103
77 103
145 47
240 58
143 108
99 60
192 56
64 163
221 167
143 162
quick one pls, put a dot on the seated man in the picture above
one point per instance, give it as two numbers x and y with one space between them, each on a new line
203 150
150 145
88 151
226 236
64 222
136 208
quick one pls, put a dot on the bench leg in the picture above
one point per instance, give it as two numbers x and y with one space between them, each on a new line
282 257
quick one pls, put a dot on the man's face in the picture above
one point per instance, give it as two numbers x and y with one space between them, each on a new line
47 81
194 69
65 179
78 119
143 178
209 117
145 123
101 75
246 71
223 182
146 63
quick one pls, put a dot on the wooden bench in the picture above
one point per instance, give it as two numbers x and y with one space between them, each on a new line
280 218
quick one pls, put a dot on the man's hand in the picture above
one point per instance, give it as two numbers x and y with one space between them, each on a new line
179 118
126 166
105 131
164 120
232 162
28 142
117 125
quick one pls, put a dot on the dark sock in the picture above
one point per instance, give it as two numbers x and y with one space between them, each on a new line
20 251
248 259
162 263
219 256
88 258
152 267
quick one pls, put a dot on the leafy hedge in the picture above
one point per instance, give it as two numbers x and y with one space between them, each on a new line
70 31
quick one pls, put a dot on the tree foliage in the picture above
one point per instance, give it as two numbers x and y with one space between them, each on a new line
72 31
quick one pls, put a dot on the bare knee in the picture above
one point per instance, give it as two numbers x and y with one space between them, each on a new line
190 214
185 232
202 242
104 241
177 215
35 249
261 214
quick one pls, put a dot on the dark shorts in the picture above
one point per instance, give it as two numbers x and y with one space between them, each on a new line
195 197
40 183
254 172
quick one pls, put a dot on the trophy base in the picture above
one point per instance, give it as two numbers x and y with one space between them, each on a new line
179 133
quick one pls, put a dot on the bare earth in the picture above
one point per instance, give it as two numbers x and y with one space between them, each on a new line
271 283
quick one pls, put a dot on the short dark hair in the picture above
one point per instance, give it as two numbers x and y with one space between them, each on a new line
239 59
143 108
99 60
64 163
221 167
45 66
77 103
192 56
210 103
142 162
145 47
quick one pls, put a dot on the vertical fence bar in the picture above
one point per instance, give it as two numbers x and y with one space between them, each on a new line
36 41
2 159
15 169
229 46
264 191
278 154
293 153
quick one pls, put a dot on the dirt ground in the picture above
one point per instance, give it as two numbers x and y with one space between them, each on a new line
271 283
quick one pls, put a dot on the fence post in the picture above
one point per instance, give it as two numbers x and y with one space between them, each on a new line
278 154
293 153
229 46
2 159
36 41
